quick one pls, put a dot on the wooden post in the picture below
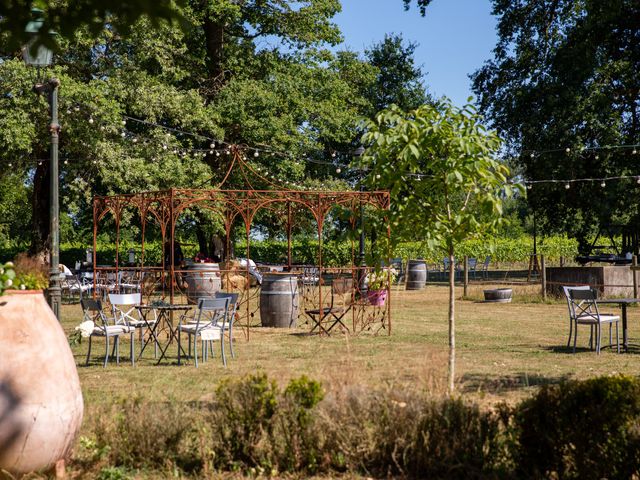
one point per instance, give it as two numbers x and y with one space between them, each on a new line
466 275
634 262
543 276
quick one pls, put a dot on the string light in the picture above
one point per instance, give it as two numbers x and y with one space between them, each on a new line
567 186
91 120
603 184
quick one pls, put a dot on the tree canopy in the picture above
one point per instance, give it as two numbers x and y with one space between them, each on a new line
561 88
270 81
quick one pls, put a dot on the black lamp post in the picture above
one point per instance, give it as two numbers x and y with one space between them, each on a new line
362 284
43 57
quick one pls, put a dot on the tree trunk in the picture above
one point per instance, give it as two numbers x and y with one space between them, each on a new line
214 37
40 212
452 332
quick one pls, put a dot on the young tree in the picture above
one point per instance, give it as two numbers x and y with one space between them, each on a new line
446 185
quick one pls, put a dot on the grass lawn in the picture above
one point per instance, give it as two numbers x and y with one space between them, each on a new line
504 351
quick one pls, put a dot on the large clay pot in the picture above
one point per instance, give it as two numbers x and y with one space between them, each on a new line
40 398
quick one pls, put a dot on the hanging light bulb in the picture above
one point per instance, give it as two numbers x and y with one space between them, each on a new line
567 150
217 154
76 108
533 154
124 122
597 157
102 127
212 145
567 186
256 154
333 154
378 176
10 164
338 170
603 184
204 154
123 134
135 140
95 161
634 152
39 162
90 119
529 186
638 180
164 147
66 162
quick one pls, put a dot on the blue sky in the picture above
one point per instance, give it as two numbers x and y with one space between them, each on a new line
454 39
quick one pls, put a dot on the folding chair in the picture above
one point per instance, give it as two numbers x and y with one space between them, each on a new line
336 311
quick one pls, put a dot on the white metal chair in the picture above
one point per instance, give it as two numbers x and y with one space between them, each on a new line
72 288
126 313
231 316
96 323
209 324
586 312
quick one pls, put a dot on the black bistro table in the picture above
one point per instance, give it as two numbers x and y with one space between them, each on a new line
623 302
163 321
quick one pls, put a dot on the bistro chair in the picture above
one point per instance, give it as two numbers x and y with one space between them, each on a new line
231 317
485 267
72 288
342 294
96 318
572 316
125 312
586 312
209 324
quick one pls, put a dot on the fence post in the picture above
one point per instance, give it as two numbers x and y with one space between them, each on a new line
543 276
466 275
634 262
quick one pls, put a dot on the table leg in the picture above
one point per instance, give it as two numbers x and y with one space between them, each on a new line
625 344
152 330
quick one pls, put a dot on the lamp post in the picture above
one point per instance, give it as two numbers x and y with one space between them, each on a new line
43 57
362 284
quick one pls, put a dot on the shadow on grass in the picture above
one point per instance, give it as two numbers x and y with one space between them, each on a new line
471 383
569 350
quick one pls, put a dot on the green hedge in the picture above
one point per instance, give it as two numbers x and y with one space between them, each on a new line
336 253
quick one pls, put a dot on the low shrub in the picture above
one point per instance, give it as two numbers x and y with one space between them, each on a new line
583 430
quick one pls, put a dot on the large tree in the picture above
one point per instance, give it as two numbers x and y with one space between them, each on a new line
563 83
295 101
399 80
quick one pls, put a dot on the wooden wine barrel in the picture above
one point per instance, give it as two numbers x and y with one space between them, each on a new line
499 295
203 280
279 301
416 274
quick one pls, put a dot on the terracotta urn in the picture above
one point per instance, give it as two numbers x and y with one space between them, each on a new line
40 398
